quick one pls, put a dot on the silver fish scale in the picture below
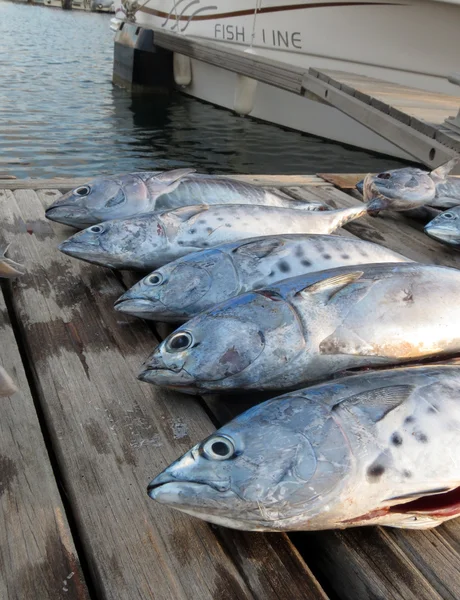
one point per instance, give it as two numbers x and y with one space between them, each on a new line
315 325
220 191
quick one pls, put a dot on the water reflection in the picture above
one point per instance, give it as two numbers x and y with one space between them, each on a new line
60 115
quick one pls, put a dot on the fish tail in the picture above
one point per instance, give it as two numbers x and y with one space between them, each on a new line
9 268
348 214
7 386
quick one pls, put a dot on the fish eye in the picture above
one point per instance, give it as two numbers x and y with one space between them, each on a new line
179 341
383 176
84 190
219 447
96 229
448 215
154 279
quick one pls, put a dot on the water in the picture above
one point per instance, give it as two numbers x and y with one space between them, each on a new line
60 115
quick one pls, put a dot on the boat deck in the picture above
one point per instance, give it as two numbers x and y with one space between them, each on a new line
82 438
412 119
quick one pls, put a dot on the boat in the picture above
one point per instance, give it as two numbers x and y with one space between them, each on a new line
407 42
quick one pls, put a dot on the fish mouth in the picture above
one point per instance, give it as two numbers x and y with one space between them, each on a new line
158 484
441 233
133 305
145 308
68 214
154 374
82 250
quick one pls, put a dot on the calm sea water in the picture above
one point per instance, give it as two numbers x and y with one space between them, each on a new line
60 115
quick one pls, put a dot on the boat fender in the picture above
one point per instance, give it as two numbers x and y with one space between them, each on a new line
182 66
245 95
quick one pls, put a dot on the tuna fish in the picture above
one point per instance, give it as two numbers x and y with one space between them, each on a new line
198 281
8 268
409 188
7 386
446 227
378 448
123 196
310 327
150 241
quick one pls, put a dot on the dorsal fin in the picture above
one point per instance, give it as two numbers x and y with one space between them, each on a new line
168 177
167 182
184 213
332 285
377 403
260 248
443 171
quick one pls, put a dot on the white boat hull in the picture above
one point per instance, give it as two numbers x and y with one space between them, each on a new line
412 43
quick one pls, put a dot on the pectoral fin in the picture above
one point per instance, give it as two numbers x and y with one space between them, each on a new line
261 248
166 182
332 285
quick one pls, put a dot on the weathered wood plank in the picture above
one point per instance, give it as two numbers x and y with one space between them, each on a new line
112 433
64 184
37 552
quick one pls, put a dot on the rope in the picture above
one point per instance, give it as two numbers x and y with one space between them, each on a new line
256 10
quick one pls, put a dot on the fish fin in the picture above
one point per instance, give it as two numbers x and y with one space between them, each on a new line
169 177
373 199
376 404
166 182
7 386
332 285
360 186
9 268
443 171
417 494
260 248
116 200
187 212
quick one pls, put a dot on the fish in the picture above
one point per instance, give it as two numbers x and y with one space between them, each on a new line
187 286
311 327
123 196
149 241
7 385
9 269
411 187
368 449
445 227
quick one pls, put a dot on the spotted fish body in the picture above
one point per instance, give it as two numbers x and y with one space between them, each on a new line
152 240
184 288
310 327
123 196
409 188
378 448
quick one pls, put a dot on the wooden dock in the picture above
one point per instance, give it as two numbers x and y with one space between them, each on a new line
83 437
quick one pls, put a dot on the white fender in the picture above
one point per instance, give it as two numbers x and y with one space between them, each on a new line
182 67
